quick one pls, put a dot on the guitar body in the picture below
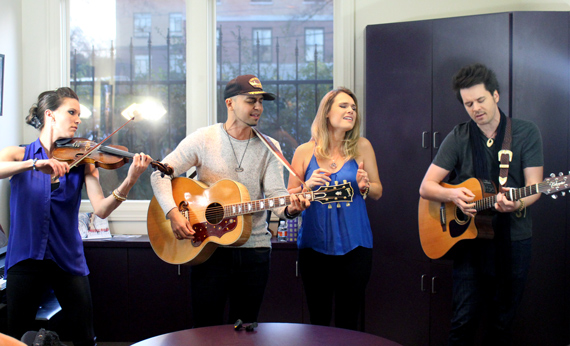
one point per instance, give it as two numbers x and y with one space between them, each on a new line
442 225
203 206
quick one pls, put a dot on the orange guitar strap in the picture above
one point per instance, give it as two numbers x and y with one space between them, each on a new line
505 154
269 144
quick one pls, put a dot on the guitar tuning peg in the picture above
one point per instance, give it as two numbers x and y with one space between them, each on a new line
330 206
336 182
338 205
563 193
554 196
552 175
560 174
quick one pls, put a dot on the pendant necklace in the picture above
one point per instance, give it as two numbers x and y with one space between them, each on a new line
491 140
238 169
333 165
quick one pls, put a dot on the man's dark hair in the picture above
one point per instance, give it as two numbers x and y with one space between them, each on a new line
474 74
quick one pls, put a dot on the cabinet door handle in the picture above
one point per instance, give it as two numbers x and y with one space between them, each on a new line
296 269
433 279
434 141
422 286
424 136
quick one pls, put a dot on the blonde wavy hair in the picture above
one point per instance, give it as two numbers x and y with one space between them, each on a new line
320 133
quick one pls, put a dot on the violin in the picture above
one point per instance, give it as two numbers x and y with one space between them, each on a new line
74 150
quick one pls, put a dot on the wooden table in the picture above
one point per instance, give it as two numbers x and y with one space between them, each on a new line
274 334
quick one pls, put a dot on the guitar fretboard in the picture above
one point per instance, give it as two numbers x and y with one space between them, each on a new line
548 186
262 204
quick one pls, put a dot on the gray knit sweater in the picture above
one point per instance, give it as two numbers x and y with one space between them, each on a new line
210 151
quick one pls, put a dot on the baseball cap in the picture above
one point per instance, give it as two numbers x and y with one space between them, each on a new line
247 84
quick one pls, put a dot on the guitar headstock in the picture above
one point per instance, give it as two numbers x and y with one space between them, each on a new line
554 184
334 193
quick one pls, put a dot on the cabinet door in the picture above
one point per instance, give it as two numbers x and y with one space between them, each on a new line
284 298
398 112
541 84
159 295
109 290
461 41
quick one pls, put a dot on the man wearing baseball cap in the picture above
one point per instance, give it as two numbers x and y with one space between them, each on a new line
230 150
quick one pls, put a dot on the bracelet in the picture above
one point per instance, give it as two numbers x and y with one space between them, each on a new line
34 164
364 192
289 216
118 196
519 212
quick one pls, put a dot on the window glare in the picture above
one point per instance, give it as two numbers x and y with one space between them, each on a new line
136 55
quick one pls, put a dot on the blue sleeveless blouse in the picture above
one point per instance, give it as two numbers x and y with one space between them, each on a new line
44 224
336 231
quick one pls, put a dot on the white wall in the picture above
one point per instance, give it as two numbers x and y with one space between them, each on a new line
11 121
367 12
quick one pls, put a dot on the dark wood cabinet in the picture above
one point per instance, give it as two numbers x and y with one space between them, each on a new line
410 108
284 299
137 296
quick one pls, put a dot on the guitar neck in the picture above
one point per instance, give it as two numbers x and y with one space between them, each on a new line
325 194
511 195
262 204
548 186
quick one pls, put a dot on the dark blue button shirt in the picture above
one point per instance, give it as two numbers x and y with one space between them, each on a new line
44 224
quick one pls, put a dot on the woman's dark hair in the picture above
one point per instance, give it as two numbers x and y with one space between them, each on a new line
51 100
472 75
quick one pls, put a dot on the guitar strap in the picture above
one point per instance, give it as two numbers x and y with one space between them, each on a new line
269 144
505 154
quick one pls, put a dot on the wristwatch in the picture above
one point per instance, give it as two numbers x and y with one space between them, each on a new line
34 164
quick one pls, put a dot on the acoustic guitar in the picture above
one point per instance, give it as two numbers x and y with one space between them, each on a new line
220 215
442 225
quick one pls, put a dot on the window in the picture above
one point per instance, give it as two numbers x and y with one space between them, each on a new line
177 63
176 24
113 66
142 24
314 42
281 66
141 66
262 46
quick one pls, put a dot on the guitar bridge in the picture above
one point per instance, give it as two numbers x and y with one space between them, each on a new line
442 218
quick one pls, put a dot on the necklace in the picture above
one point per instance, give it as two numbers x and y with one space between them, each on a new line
238 168
491 140
333 165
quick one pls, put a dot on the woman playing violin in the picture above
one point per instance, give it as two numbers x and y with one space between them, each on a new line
44 246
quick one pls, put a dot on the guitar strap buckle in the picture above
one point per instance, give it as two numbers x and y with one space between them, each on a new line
505 154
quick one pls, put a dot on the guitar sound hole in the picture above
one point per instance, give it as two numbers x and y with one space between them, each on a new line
214 213
460 217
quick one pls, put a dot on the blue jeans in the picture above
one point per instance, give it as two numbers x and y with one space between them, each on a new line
476 287
239 274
